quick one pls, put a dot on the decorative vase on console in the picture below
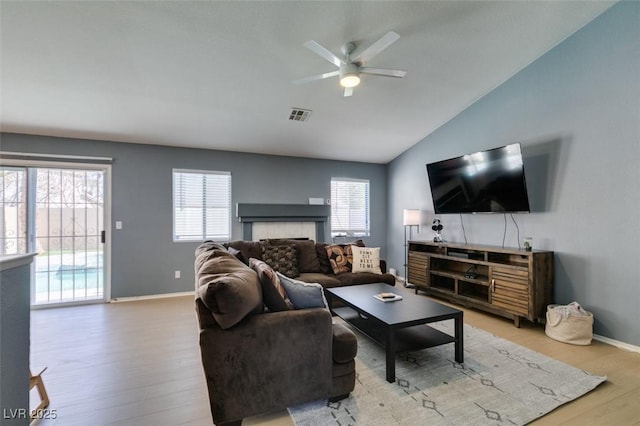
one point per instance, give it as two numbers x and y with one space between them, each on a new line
436 225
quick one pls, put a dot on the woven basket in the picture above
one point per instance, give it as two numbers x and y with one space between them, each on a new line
569 328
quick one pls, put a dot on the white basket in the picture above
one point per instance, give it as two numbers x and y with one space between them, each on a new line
569 324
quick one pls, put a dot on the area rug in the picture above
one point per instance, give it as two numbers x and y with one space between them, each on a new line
498 383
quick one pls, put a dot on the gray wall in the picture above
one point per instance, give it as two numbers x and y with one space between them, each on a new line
576 111
144 256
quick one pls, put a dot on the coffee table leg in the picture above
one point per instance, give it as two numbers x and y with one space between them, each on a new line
391 355
459 339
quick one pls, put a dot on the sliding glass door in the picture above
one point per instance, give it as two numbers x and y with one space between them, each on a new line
60 214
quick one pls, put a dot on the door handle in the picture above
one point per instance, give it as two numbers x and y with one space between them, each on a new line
103 237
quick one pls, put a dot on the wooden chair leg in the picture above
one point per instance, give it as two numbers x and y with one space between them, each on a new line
36 381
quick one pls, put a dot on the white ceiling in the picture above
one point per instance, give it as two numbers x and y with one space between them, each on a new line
218 75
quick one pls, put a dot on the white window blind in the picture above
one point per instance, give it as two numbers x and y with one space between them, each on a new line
350 207
201 205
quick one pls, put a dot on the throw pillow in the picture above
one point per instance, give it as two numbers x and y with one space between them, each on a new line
303 295
308 261
273 293
226 286
340 258
366 259
282 259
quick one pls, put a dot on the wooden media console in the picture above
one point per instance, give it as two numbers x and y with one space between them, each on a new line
510 282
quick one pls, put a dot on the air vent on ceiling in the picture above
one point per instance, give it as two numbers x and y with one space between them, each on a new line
299 114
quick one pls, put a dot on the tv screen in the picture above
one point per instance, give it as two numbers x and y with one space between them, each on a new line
489 181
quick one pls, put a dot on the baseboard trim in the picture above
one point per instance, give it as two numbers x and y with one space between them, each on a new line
151 297
607 340
617 343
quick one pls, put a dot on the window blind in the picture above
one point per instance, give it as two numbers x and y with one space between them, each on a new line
350 207
201 205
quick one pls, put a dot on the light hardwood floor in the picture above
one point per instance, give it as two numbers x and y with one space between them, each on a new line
138 363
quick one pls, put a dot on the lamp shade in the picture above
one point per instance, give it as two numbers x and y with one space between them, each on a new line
411 217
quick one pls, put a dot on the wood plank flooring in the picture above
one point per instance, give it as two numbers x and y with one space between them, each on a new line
138 363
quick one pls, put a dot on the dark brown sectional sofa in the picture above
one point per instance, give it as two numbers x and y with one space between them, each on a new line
258 355
313 262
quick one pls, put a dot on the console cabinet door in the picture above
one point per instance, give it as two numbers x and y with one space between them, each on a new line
510 289
418 268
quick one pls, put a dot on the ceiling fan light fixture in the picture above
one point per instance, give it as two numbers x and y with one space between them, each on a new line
349 80
352 62
349 75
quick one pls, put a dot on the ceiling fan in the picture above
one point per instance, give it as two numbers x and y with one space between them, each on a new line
351 64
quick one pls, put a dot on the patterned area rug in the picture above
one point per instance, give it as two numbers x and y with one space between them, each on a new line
499 383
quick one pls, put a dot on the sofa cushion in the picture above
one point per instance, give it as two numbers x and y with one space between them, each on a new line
303 295
237 253
345 344
325 280
306 252
353 278
228 288
340 258
323 258
282 259
249 249
366 259
273 293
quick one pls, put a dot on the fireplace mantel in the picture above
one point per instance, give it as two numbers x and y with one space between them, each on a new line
248 213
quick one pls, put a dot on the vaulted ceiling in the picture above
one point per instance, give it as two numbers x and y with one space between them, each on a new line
218 75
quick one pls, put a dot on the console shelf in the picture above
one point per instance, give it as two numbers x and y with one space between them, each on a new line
505 281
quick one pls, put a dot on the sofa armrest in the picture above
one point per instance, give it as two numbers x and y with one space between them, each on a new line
383 266
267 361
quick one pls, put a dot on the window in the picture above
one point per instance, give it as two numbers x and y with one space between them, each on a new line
13 210
201 205
350 207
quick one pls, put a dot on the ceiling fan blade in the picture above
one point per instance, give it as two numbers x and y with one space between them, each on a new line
324 52
363 55
316 77
383 72
348 91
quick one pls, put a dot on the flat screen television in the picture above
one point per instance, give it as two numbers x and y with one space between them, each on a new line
489 181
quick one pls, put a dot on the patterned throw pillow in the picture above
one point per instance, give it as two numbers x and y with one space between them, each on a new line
282 259
274 295
323 258
340 258
366 259
305 250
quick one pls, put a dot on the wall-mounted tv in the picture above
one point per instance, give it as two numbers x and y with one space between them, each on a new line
489 181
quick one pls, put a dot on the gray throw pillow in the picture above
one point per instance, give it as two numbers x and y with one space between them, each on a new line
303 295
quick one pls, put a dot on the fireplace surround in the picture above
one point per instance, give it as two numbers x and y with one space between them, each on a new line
248 214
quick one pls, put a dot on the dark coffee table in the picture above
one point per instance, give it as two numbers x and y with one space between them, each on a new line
397 326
